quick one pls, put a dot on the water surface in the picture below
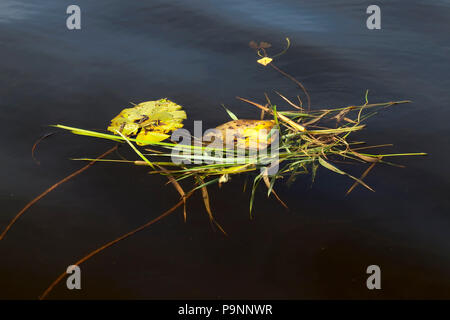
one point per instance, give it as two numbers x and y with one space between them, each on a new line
196 53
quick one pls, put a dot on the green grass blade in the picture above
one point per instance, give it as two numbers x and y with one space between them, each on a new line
231 114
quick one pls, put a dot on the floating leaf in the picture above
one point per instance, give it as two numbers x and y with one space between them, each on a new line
264 61
252 44
264 45
245 134
149 121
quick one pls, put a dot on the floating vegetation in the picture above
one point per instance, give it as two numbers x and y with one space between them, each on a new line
149 121
284 143
307 140
247 134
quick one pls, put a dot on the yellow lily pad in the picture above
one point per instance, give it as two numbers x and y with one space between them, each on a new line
149 121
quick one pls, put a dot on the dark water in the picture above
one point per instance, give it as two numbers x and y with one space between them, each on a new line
196 53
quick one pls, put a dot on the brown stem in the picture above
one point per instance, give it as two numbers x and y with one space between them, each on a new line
365 173
296 81
39 197
113 242
33 149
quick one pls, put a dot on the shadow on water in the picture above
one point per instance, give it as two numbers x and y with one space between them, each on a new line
197 55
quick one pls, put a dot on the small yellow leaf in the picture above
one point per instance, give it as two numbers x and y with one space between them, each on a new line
265 61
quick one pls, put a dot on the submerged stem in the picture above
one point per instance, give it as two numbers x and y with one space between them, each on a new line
113 242
43 194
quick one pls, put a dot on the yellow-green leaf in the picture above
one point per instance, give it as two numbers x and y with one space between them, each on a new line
265 61
149 121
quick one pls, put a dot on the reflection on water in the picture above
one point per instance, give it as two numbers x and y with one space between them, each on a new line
196 53
14 11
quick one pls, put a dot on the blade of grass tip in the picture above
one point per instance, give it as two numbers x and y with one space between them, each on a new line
143 163
177 187
329 166
291 123
109 160
300 102
88 133
362 177
275 115
341 115
269 103
314 168
205 197
267 182
231 114
245 184
220 227
295 81
154 151
365 158
33 149
404 154
272 183
206 183
288 101
314 120
136 150
135 162
43 194
363 106
111 243
252 196
262 115
285 49
392 164
376 146
349 120
271 190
